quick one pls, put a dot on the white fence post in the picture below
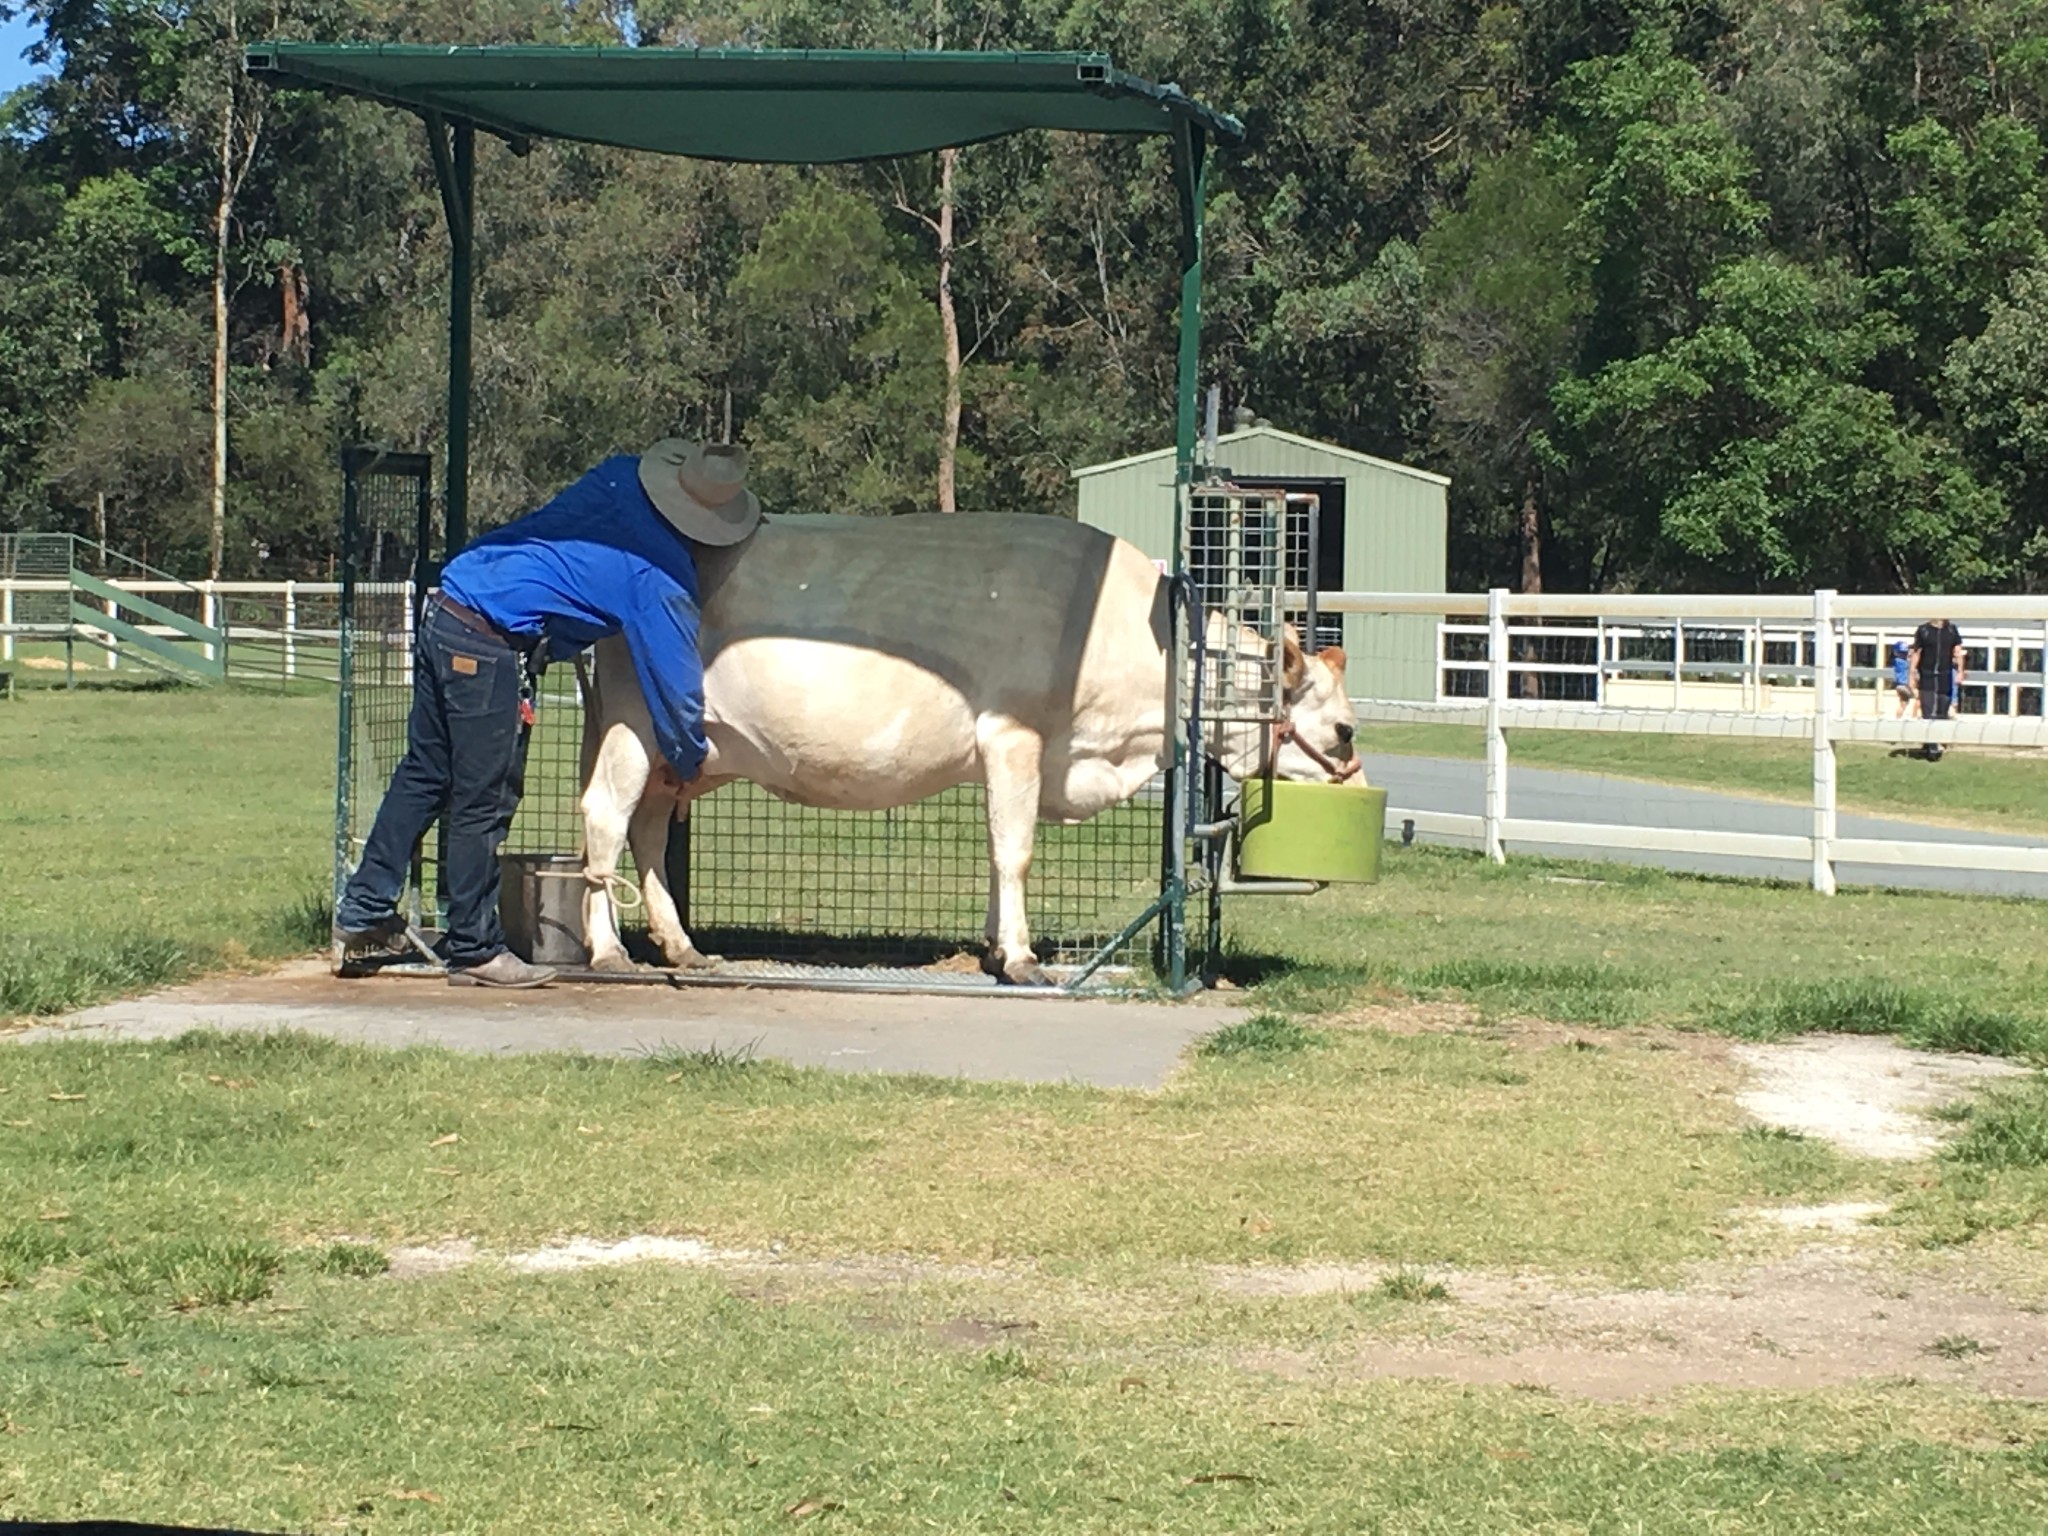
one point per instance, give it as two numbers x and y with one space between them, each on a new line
6 621
291 630
1678 663
206 613
1824 741
113 641
1496 738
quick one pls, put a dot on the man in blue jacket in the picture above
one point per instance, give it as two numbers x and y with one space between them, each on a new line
612 554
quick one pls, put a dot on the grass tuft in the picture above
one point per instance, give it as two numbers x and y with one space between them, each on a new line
1263 1034
2007 1127
305 922
1407 1284
191 1273
1009 1364
357 1261
45 974
708 1061
1789 1162
1956 1346
26 1250
1861 1006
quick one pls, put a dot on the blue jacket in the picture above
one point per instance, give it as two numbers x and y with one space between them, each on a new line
596 561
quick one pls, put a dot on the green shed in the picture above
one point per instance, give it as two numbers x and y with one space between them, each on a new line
1381 528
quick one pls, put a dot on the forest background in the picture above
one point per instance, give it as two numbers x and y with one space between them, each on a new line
1749 295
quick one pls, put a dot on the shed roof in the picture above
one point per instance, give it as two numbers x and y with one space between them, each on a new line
1165 455
778 105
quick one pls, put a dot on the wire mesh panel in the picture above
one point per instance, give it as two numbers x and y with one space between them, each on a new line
386 546
1235 544
908 886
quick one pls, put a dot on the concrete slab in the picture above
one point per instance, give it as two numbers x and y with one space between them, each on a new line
1099 1042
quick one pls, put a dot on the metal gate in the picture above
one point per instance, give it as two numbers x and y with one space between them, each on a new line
387 555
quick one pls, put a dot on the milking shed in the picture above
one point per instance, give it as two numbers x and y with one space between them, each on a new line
1381 527
764 106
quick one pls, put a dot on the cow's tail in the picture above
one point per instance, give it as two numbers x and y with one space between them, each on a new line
593 717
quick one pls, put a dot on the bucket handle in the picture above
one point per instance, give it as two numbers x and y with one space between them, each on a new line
624 893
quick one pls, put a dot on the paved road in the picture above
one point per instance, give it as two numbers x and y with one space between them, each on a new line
1457 785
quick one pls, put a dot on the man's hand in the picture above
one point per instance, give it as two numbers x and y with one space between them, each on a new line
667 780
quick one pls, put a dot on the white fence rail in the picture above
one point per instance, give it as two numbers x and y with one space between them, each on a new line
1812 690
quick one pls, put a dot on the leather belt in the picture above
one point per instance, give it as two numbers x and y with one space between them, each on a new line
469 618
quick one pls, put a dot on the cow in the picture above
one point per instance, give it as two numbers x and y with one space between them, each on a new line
866 663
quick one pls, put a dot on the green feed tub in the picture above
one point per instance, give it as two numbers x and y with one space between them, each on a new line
1289 831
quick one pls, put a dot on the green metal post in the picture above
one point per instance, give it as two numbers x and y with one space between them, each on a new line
345 672
1190 177
455 169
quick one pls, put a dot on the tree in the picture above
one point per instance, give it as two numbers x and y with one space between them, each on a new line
1995 384
1509 293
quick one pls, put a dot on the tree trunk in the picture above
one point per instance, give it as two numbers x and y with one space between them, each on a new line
1531 525
295 332
223 212
949 324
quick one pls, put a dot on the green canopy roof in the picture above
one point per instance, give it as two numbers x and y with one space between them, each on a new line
791 106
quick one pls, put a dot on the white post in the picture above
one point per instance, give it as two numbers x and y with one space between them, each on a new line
1823 741
1600 659
6 621
1678 663
1756 665
113 642
2044 668
1496 809
206 612
291 630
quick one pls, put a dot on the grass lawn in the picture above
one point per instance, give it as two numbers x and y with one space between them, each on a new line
195 1323
1619 944
149 831
991 1307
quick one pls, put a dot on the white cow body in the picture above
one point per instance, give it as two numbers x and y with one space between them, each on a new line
864 663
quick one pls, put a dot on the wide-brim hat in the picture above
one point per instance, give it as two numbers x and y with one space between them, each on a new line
701 489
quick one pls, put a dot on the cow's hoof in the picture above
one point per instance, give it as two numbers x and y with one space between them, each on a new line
615 962
1026 972
694 960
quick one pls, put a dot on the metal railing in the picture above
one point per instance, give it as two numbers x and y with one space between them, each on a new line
272 629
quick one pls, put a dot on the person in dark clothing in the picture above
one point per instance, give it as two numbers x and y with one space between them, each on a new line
612 554
1937 667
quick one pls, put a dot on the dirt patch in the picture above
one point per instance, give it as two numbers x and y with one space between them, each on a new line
1827 1316
1864 1094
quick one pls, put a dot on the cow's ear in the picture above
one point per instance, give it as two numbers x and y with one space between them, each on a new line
1293 665
1332 656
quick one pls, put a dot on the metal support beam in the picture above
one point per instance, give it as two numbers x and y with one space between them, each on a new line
455 169
1190 180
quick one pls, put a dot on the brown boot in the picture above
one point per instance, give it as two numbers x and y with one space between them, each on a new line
503 969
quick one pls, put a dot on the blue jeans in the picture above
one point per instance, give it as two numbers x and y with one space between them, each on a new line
465 765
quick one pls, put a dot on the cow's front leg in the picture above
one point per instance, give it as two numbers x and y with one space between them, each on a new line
649 836
611 802
1010 759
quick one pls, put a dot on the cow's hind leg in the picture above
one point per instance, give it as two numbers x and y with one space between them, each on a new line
1010 760
649 837
612 800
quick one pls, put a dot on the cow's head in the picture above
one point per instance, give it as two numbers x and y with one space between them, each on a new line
1318 709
